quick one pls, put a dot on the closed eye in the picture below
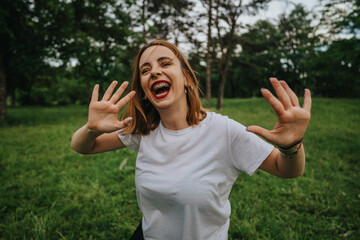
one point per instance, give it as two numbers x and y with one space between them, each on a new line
164 64
144 71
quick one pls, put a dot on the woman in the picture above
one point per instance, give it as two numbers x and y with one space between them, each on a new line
188 158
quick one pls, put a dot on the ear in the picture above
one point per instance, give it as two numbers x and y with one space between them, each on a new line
187 84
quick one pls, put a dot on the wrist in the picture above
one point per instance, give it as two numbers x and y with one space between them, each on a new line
292 146
92 132
291 151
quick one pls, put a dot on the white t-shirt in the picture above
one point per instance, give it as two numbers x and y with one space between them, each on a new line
183 178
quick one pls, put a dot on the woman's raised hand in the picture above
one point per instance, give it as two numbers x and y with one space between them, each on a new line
103 114
292 119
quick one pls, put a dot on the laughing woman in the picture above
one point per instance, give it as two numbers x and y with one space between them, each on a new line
188 158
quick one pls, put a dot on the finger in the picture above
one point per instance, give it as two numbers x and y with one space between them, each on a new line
124 123
125 99
281 93
294 99
307 100
109 91
261 132
127 121
273 101
116 96
95 93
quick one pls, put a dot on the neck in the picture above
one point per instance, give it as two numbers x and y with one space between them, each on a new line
174 118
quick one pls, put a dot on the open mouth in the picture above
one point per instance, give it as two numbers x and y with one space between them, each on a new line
160 89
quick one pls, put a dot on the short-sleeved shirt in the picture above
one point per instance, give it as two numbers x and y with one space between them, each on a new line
184 178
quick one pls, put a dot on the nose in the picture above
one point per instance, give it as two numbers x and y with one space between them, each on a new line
155 72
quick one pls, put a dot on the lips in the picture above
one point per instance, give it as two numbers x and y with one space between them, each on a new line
160 88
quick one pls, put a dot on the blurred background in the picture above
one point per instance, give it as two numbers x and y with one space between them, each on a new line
54 51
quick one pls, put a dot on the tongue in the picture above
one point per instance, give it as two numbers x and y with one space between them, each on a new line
161 93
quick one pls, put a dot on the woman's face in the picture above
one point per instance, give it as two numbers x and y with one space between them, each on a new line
162 78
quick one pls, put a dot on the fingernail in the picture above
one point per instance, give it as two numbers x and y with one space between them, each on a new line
261 89
130 120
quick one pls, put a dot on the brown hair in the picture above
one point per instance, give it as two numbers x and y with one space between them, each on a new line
144 114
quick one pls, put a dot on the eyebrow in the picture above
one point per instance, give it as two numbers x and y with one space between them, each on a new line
158 60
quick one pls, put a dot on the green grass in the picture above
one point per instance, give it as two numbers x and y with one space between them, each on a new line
47 191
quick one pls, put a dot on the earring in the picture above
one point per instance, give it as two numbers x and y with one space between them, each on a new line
191 88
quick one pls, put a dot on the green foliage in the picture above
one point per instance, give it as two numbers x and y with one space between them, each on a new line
337 69
259 60
270 50
336 66
53 52
298 44
86 39
50 192
342 16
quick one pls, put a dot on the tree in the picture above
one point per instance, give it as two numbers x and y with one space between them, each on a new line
340 16
167 19
81 37
337 70
4 41
100 35
298 44
209 5
337 64
226 22
22 50
258 60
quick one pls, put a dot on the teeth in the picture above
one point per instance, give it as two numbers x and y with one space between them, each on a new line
160 85
161 94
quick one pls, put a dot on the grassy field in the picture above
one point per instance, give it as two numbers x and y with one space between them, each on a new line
47 191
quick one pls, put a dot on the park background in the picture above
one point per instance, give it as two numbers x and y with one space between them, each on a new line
53 52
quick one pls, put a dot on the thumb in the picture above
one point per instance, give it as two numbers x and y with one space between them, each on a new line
124 123
262 132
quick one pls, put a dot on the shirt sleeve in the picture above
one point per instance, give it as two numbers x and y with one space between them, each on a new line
248 151
131 141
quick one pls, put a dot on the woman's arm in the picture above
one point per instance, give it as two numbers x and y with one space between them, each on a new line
99 135
288 131
284 167
85 141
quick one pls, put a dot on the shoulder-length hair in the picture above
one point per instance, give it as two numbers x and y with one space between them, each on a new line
145 116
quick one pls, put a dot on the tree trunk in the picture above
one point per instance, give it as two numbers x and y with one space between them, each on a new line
223 68
2 88
220 99
226 44
208 56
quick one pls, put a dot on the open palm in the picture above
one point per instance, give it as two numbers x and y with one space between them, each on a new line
103 114
292 118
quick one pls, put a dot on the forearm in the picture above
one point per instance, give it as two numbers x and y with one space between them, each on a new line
83 140
290 167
